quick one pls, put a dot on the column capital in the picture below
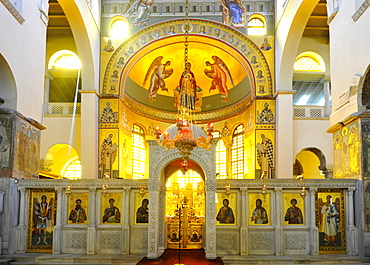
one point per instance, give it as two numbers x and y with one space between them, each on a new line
351 190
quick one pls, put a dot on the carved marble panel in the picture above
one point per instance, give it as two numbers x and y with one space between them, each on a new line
296 242
139 241
228 242
263 242
109 241
74 241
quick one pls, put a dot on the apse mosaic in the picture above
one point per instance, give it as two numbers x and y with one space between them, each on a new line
227 69
41 219
331 220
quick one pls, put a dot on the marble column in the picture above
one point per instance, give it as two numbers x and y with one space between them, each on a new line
352 235
327 98
314 231
89 133
244 227
210 223
279 235
21 228
153 224
57 231
125 220
91 230
284 134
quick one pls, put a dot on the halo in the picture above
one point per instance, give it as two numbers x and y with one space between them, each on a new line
111 132
205 60
189 61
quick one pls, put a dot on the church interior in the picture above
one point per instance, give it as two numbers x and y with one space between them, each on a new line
131 127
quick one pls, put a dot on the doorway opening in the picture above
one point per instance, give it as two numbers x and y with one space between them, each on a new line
185 211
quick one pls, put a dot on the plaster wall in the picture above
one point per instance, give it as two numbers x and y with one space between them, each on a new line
59 128
312 133
349 41
23 47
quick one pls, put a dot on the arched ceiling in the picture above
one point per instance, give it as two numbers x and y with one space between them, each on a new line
246 64
201 50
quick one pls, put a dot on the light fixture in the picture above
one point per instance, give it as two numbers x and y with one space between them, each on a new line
227 189
264 188
188 135
105 189
303 189
68 190
142 191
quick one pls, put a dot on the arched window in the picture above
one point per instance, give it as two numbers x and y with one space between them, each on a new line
73 169
64 59
237 153
221 159
118 27
309 61
138 152
257 25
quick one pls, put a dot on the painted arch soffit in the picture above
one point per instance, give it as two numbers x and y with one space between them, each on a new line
242 57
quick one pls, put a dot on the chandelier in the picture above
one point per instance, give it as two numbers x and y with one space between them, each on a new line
184 135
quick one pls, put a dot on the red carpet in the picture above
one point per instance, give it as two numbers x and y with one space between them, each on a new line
187 257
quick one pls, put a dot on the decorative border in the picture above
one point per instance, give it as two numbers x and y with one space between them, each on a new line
13 11
361 10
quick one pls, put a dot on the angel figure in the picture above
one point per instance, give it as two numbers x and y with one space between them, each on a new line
329 219
157 72
140 11
219 73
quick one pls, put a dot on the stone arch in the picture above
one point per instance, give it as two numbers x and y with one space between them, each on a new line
364 89
8 86
291 24
225 35
85 33
322 161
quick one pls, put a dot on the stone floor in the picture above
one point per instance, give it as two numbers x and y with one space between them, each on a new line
133 259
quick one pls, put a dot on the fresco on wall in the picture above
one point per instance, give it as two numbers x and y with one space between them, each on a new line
367 206
265 44
41 219
265 111
226 209
157 72
26 162
138 12
126 157
265 153
331 220
259 208
6 140
249 156
233 13
365 129
346 148
77 208
108 110
294 209
108 150
111 213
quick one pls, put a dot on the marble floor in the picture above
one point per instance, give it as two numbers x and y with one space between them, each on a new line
133 259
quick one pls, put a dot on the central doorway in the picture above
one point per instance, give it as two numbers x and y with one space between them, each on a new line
185 210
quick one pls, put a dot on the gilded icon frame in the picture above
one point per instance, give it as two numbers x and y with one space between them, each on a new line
41 225
333 210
